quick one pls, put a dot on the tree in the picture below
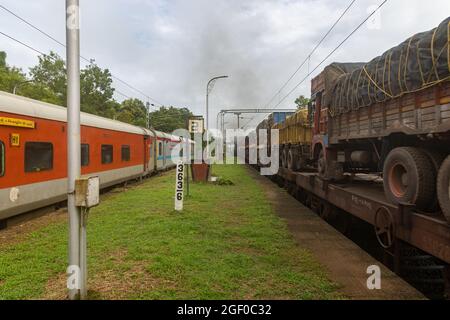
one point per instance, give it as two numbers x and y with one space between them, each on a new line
302 102
9 77
51 74
97 91
169 119
48 83
12 77
133 111
2 59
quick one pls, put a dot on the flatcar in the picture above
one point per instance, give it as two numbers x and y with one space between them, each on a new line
33 153
371 118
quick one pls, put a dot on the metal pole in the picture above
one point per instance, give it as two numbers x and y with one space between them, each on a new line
83 254
208 90
18 85
223 131
188 166
73 137
217 121
148 114
207 105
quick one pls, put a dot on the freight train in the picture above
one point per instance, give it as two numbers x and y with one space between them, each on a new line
372 150
33 153
390 116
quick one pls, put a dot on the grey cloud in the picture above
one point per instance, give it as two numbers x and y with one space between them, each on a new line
171 48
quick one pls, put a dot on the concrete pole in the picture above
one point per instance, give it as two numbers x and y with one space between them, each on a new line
73 136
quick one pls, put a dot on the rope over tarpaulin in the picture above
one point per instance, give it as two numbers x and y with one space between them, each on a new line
418 63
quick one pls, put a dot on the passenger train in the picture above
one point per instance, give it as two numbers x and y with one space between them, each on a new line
33 153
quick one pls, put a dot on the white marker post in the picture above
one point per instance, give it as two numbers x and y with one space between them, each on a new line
179 186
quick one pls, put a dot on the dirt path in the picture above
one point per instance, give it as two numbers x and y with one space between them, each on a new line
346 263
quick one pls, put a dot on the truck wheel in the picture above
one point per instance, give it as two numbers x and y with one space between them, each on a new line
408 177
436 159
443 188
284 158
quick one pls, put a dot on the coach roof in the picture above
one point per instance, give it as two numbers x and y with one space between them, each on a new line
28 107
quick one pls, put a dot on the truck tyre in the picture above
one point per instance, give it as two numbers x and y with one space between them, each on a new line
436 159
443 188
408 177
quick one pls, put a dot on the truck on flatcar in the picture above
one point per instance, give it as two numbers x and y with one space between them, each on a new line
390 116
295 136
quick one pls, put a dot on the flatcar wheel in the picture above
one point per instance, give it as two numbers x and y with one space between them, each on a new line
292 160
284 158
443 188
409 177
436 159
324 210
322 165
384 227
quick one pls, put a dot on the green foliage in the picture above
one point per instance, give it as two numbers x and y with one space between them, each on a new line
96 91
170 119
133 111
223 182
2 59
224 245
51 74
302 102
9 77
47 82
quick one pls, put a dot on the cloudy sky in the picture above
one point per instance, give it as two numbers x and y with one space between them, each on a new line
170 48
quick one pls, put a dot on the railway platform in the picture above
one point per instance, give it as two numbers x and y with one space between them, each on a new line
345 262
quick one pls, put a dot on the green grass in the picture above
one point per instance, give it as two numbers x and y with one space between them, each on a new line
226 244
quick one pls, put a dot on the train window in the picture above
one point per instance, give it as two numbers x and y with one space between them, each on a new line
160 149
126 153
84 155
38 156
2 159
107 154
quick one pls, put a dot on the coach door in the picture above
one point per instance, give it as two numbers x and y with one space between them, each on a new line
154 148
146 153
2 159
153 154
164 144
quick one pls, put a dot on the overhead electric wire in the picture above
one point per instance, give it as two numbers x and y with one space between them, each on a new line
308 57
41 53
330 54
63 45
22 43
